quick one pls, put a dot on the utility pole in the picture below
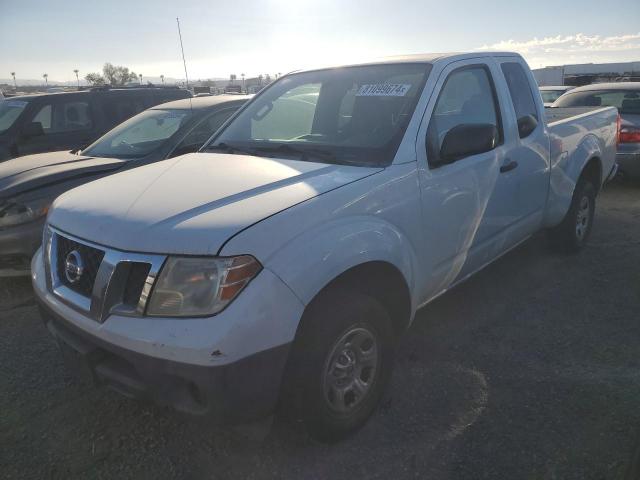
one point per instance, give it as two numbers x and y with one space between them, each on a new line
77 78
15 85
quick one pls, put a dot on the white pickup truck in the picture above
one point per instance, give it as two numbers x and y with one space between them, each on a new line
279 265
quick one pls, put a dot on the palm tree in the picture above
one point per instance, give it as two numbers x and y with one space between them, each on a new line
162 78
77 78
13 74
46 79
140 79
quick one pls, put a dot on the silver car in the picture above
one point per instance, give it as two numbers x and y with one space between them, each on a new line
625 96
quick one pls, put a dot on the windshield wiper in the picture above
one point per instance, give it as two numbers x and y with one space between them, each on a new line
304 153
233 149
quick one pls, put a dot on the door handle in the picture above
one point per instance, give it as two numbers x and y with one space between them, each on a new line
509 165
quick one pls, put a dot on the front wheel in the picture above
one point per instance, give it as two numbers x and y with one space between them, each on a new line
572 234
340 364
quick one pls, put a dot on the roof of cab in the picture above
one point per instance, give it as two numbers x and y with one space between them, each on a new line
415 58
199 103
93 90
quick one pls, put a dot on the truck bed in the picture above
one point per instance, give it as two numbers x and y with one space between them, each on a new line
559 114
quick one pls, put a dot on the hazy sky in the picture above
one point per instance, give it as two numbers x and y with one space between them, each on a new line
270 36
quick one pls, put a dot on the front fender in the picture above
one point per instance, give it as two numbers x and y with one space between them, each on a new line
318 256
566 168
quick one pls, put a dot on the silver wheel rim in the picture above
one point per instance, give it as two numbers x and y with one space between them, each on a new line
350 369
582 220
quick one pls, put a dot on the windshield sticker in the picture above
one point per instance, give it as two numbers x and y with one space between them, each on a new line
16 103
384 90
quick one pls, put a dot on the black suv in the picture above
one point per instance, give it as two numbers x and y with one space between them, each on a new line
72 120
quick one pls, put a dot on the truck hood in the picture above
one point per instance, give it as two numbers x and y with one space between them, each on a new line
32 171
192 204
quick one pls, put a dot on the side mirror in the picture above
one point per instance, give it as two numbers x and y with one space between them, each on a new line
33 129
526 125
468 139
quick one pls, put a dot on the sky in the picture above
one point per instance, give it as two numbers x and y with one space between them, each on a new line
276 36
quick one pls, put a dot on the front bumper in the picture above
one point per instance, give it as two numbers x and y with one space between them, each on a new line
17 246
241 391
228 367
629 163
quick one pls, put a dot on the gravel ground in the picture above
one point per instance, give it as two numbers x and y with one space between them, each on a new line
529 370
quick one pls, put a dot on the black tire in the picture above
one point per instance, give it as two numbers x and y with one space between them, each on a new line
329 318
572 234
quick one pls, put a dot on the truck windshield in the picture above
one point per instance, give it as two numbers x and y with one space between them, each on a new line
626 101
10 110
140 135
353 115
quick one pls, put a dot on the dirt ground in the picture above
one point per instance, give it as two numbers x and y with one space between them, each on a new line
529 370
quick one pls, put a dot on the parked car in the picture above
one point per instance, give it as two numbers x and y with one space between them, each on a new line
29 184
551 93
279 265
625 96
71 120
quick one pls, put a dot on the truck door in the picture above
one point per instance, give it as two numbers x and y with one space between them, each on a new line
466 197
58 123
528 146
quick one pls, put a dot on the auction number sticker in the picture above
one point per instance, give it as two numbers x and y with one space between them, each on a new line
384 90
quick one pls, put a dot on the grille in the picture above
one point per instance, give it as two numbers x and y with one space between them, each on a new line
91 258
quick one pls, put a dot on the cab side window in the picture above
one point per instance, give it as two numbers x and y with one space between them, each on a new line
522 97
62 117
202 132
467 98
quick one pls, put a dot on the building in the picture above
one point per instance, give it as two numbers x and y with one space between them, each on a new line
587 73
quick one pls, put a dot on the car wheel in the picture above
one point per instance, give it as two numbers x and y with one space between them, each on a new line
572 234
340 364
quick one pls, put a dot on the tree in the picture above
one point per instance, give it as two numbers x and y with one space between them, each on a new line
114 75
94 79
46 78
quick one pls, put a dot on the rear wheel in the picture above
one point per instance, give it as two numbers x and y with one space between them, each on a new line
572 234
340 364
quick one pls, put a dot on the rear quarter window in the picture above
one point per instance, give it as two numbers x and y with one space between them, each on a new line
519 90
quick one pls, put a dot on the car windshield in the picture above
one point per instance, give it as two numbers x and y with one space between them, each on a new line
352 115
10 110
550 96
140 135
626 101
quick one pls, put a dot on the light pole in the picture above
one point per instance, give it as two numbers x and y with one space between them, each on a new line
162 78
140 79
15 85
46 77
243 89
77 78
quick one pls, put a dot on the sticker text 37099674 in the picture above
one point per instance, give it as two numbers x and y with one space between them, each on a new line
384 90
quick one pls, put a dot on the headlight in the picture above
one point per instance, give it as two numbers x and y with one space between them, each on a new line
15 212
199 286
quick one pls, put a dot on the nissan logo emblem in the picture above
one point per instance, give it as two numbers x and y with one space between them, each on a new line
73 266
